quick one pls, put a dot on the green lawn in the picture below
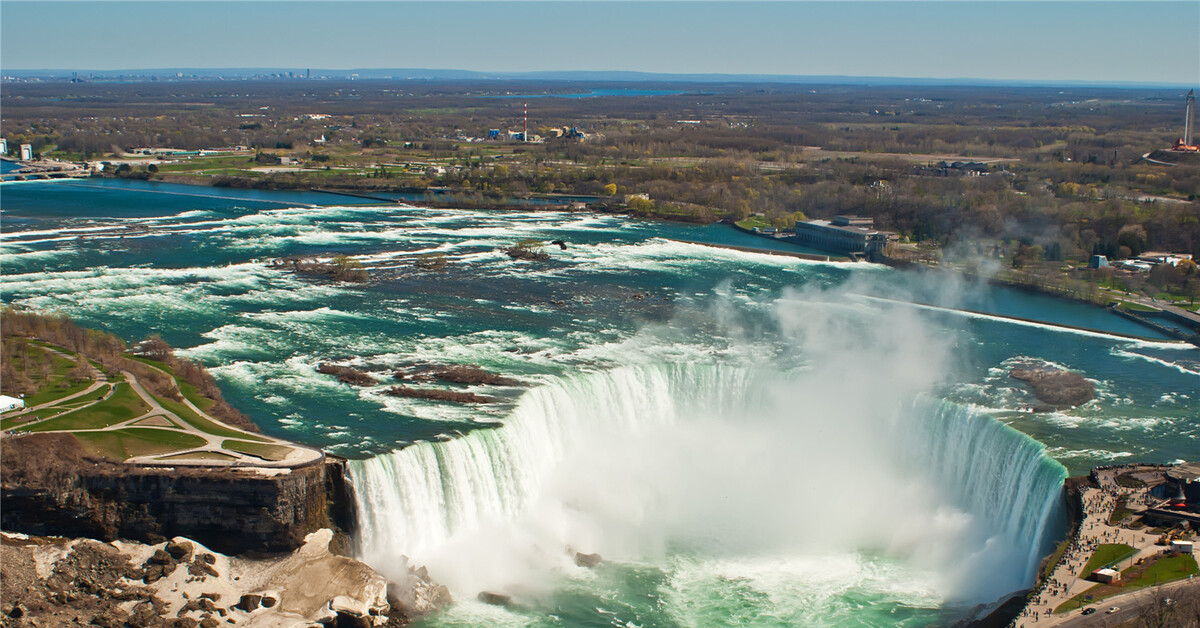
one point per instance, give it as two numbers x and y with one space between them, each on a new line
1134 578
62 388
752 222
138 441
203 424
155 363
1119 511
1136 307
194 396
261 450
200 455
1165 570
1106 555
124 404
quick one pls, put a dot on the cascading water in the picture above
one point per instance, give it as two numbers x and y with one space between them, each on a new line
646 463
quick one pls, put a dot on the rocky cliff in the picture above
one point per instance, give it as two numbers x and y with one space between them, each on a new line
49 489
182 584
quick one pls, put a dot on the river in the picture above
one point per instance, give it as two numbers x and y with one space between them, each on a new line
711 421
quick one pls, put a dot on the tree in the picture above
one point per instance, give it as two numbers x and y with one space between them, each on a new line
610 189
1134 237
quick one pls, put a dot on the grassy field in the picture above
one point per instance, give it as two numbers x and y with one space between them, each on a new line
118 402
201 455
193 395
122 405
1153 573
137 441
752 222
201 423
1120 511
1106 555
1136 307
260 450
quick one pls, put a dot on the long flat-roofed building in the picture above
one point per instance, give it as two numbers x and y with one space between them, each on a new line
844 234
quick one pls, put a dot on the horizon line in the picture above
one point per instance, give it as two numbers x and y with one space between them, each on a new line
609 75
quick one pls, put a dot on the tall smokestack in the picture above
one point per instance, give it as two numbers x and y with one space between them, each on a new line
525 129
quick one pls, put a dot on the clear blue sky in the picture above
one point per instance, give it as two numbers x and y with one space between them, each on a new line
1068 41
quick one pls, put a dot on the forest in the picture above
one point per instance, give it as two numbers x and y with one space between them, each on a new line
1056 172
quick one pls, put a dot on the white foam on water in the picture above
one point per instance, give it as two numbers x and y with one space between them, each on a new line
1065 453
37 233
1002 319
1193 368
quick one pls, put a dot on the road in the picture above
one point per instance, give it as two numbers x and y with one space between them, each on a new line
1132 605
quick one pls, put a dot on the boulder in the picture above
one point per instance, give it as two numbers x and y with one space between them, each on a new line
350 613
161 557
249 602
1056 387
587 560
179 550
153 574
495 599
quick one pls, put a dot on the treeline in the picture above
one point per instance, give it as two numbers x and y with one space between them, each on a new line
111 353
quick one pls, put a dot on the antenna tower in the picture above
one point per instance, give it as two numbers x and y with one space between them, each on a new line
1189 120
525 128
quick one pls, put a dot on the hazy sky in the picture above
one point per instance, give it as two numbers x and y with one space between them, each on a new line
1071 41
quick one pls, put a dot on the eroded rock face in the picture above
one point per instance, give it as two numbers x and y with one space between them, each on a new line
50 582
230 510
1055 387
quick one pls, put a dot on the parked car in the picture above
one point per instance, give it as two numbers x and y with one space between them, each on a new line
1089 611
1113 610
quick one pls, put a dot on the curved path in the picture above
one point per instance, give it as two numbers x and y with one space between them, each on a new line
211 454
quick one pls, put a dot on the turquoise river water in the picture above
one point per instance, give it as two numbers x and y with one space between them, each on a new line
747 439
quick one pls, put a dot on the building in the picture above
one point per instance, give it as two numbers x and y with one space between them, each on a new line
8 404
1134 266
1098 261
1183 547
1156 257
844 234
1106 575
3 146
26 152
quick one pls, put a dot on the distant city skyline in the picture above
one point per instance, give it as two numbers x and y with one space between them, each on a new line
1090 42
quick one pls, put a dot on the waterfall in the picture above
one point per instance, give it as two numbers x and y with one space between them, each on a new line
740 452
993 471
